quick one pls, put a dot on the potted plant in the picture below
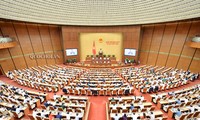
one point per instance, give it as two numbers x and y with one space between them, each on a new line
113 55
108 55
74 60
132 61
97 55
91 55
126 60
104 55
68 61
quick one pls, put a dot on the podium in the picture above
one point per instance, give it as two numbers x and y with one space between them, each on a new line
101 54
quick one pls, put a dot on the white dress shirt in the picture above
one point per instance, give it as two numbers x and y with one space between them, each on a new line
116 117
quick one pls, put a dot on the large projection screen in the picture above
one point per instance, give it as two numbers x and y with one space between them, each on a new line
110 43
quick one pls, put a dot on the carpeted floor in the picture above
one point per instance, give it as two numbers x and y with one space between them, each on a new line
98 103
98 108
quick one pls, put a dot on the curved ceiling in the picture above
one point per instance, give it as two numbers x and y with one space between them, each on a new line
99 12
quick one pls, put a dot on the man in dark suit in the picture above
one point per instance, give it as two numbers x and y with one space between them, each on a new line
65 90
127 91
156 89
94 92
150 89
59 116
46 104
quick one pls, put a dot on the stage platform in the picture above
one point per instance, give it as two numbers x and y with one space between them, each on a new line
81 64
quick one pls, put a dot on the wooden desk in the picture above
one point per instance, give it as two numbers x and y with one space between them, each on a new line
72 114
127 98
156 113
9 105
100 60
39 94
146 104
171 112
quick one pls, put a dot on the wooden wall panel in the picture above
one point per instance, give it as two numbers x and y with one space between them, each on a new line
195 66
152 58
60 59
136 39
161 60
50 61
172 61
197 53
55 37
170 46
30 62
187 51
194 30
42 62
168 36
7 65
35 38
4 53
143 57
146 39
180 37
8 29
23 37
46 40
31 38
157 37
183 63
19 62
65 36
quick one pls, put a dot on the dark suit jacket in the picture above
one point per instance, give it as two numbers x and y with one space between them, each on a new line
59 116
127 91
151 89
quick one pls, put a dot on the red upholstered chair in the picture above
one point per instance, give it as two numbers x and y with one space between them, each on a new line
39 118
101 92
108 92
196 114
114 92
135 110
70 91
54 89
43 107
144 90
144 110
128 101
189 116
124 111
120 92
114 111
60 109
83 92
89 92
152 108
76 92
20 115
31 116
